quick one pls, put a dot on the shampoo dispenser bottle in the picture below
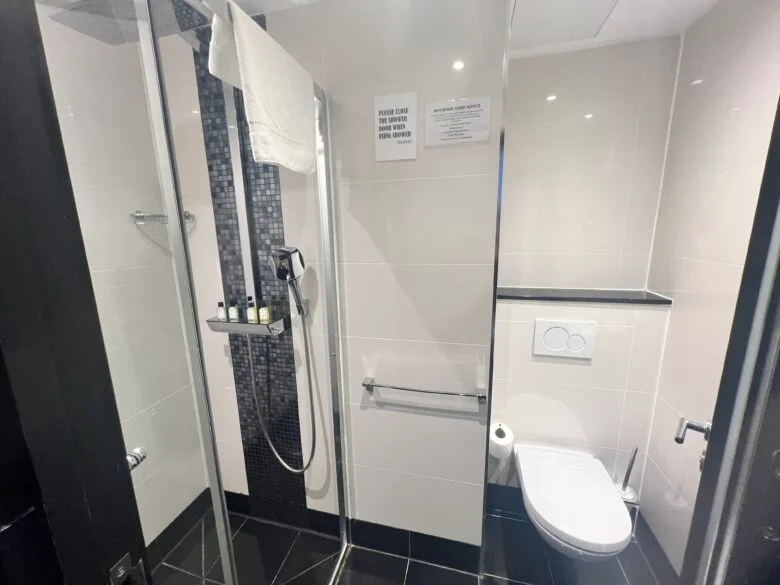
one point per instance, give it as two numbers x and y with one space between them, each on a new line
221 312
251 312
265 314
233 313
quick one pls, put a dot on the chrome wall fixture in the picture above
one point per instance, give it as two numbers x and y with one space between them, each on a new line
136 457
141 218
370 385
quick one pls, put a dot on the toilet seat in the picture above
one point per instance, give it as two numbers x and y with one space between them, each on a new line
571 497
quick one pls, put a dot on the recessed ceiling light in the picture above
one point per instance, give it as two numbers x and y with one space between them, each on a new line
588 116
458 65
552 98
195 112
696 81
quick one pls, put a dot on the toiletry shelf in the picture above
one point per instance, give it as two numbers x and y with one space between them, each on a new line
243 328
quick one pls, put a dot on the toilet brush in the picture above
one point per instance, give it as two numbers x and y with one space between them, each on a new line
628 493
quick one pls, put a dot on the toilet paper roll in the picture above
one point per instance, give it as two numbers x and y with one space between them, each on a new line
501 441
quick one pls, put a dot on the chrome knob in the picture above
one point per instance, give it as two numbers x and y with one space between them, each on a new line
135 457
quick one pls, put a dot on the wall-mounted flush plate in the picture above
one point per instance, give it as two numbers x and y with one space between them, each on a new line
570 339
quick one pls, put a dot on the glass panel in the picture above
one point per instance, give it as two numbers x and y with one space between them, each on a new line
626 212
95 60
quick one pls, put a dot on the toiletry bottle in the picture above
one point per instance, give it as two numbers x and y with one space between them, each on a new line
233 313
251 312
221 312
265 314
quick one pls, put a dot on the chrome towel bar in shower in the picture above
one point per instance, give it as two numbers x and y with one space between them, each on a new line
370 385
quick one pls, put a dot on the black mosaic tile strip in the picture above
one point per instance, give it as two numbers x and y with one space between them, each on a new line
274 493
581 295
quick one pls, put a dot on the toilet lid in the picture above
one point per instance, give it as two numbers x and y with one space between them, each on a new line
572 496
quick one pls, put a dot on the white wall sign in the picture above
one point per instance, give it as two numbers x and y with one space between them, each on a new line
457 121
395 126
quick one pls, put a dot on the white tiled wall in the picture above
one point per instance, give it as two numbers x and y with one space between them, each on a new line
726 101
189 147
601 406
416 248
580 194
101 104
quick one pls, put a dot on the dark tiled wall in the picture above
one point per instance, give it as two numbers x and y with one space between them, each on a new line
274 493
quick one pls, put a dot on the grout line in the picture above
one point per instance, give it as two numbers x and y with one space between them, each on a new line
507 580
549 566
666 158
406 574
178 542
414 179
142 411
180 570
381 552
203 547
314 566
647 562
287 556
622 570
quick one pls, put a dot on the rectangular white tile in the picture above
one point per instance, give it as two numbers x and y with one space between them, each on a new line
435 442
514 359
560 415
232 468
602 313
668 514
401 221
135 304
438 507
646 355
560 270
321 488
421 302
145 372
635 421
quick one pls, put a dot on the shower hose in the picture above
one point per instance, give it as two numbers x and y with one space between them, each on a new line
313 431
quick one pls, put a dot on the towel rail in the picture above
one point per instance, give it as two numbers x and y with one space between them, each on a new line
370 385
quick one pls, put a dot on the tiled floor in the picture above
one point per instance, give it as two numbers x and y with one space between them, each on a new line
515 553
266 554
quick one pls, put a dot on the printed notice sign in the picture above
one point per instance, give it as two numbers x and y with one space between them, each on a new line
457 121
395 126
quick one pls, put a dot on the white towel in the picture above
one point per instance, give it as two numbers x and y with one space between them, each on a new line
278 92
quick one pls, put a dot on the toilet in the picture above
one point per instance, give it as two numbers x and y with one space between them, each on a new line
572 502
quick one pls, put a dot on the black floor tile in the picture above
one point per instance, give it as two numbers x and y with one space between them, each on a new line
188 554
440 551
568 571
367 567
199 549
378 537
424 574
165 575
318 575
260 550
491 580
635 566
308 551
654 554
514 550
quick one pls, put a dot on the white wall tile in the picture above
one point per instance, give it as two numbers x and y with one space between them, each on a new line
435 442
668 514
352 127
514 359
399 222
447 509
646 356
146 371
419 302
231 467
321 488
580 194
558 415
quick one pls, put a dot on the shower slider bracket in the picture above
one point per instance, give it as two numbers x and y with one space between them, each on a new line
370 385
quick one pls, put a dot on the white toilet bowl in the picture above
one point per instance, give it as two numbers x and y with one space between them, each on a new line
573 503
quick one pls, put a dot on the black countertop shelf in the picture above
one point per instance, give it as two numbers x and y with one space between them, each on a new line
582 295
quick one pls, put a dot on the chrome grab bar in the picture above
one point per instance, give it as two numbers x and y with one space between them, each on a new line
369 385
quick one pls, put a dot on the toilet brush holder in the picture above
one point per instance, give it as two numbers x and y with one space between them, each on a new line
626 492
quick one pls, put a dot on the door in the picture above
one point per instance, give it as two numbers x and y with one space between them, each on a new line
735 534
95 320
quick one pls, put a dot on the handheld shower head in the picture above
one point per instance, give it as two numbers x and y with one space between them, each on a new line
287 264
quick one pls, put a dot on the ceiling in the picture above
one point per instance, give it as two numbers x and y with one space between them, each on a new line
556 26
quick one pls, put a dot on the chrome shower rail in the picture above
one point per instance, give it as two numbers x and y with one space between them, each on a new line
369 385
140 218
